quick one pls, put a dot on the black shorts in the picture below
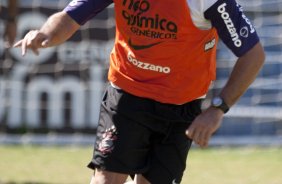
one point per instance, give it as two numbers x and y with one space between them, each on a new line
141 136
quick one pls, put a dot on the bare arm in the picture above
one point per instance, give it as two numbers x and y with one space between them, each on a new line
244 73
56 30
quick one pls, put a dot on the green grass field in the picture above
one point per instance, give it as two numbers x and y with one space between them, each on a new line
67 165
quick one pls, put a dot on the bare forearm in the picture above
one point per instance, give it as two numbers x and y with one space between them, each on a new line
59 27
244 73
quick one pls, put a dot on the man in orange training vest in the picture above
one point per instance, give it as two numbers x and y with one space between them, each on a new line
161 67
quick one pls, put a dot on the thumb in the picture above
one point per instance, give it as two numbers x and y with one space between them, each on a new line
45 42
189 132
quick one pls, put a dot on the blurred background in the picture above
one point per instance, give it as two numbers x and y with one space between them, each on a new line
54 98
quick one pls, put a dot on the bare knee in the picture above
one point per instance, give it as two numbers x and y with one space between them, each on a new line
106 177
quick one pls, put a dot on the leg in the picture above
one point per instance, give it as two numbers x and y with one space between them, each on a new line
168 160
122 144
139 179
106 177
170 150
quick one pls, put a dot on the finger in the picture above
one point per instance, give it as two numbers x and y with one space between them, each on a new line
32 45
28 42
205 144
190 132
204 139
207 138
200 139
197 136
25 42
23 47
18 44
45 43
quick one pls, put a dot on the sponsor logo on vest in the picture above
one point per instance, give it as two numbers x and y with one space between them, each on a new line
150 26
147 66
155 22
230 25
209 45
244 32
139 47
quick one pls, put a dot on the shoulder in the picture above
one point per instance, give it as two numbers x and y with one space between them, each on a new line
197 10
200 6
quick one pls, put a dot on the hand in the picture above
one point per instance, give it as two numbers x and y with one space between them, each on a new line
10 33
204 126
33 40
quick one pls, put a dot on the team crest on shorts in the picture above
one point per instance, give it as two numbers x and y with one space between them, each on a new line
107 143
